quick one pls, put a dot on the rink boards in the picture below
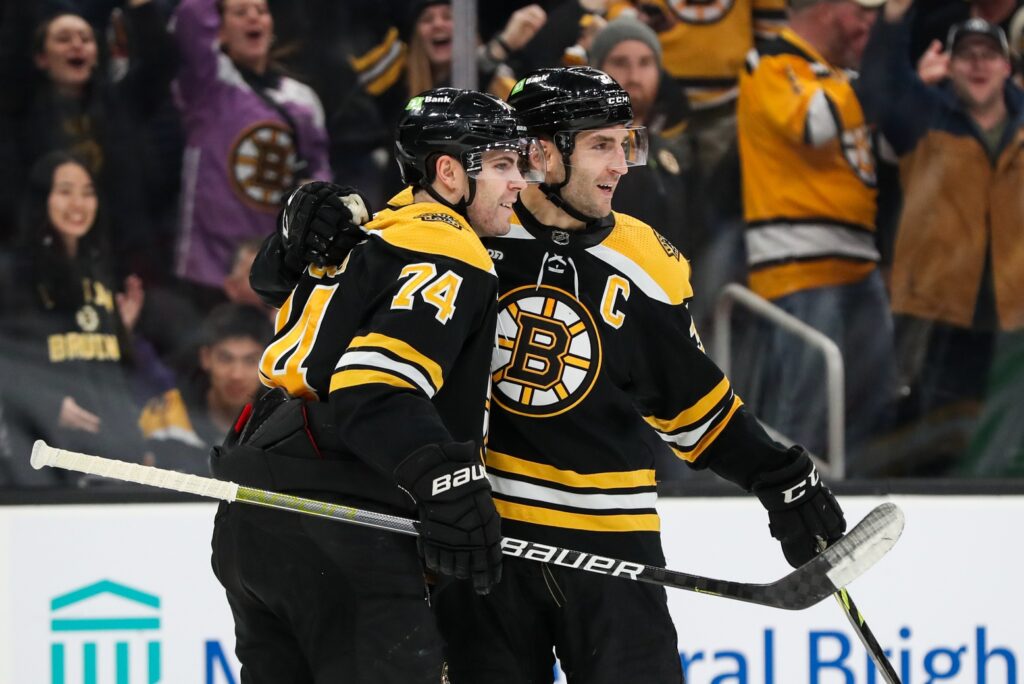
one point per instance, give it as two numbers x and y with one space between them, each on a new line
124 594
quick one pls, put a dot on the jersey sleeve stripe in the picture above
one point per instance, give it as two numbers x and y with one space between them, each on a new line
773 242
535 492
632 270
381 362
539 471
361 376
694 453
402 350
693 414
537 515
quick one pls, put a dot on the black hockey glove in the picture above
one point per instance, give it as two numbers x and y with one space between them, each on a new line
459 527
800 508
320 224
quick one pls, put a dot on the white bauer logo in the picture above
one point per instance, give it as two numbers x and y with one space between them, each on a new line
460 477
570 559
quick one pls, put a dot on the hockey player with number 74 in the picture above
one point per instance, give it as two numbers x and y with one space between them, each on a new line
597 366
379 377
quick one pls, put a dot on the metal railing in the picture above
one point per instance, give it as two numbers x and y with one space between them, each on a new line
834 464
464 39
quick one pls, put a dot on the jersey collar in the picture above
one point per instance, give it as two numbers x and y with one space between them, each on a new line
594 232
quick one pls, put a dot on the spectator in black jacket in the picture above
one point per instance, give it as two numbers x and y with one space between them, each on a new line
63 350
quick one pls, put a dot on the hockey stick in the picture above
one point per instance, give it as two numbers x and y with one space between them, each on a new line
812 582
864 633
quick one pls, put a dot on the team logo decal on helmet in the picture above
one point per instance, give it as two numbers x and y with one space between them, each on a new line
548 354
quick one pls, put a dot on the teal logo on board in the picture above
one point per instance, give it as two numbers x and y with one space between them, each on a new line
105 630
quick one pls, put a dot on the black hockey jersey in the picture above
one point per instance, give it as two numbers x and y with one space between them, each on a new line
595 348
398 338
597 366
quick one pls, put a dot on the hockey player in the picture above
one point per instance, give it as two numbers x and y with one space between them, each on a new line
597 366
380 376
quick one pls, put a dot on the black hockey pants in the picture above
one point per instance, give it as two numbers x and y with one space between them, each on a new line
604 630
319 602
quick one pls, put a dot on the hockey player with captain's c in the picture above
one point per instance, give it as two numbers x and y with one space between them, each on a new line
596 348
379 376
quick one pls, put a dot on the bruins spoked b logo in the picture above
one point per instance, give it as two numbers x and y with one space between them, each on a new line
548 353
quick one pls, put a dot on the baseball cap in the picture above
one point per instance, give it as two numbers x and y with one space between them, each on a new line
977 27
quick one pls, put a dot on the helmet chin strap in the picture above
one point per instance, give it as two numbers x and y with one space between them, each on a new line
462 206
554 195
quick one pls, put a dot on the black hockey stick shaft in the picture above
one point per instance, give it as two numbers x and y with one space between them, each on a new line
823 575
867 637
864 633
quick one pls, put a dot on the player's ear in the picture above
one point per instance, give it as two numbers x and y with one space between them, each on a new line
449 173
551 153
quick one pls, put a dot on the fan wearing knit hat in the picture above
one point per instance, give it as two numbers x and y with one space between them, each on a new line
659 193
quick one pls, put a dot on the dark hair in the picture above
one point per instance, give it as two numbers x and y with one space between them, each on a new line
43 27
53 268
229 320
35 228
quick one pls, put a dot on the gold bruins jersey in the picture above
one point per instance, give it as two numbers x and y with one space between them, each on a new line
597 368
704 46
397 338
808 171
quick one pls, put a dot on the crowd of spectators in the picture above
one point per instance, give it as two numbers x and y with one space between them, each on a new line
857 163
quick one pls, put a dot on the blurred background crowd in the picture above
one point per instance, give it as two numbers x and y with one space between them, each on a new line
859 166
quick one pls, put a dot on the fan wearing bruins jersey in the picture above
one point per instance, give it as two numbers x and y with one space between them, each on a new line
809 198
703 44
379 370
597 366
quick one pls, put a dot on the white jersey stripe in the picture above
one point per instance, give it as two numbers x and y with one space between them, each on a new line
687 439
597 502
778 241
631 270
378 360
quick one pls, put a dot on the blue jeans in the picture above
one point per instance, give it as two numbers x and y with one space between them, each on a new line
858 319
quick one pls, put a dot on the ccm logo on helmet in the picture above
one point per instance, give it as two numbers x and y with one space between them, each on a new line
458 478
618 99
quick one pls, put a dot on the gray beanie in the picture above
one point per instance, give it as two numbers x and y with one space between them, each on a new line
622 28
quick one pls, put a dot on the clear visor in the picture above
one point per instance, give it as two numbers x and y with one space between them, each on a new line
520 160
617 147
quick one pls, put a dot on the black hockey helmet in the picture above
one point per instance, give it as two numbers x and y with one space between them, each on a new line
549 101
559 103
450 121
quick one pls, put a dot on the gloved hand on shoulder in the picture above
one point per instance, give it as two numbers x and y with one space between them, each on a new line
801 509
460 531
320 224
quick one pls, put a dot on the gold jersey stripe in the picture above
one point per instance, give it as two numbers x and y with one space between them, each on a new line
693 414
644 257
642 522
431 228
403 350
388 78
708 438
360 376
618 480
773 282
376 53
